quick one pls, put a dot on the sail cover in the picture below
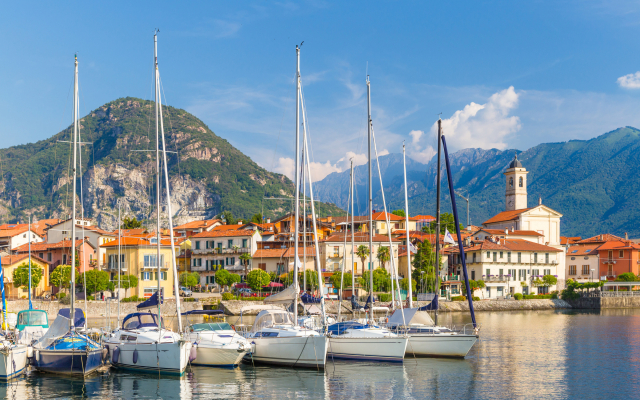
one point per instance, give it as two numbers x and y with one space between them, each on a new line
78 320
58 329
411 316
431 306
151 302
286 296
308 299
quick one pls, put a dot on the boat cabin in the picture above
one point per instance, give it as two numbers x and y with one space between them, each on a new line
140 320
37 318
270 318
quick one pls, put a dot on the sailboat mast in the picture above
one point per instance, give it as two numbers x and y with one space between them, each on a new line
119 258
370 198
73 209
304 218
353 242
437 261
406 222
157 95
297 188
29 233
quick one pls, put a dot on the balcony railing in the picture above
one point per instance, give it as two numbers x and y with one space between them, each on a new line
496 278
114 266
446 278
216 250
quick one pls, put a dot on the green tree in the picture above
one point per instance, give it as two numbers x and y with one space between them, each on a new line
187 279
423 264
257 218
223 278
550 280
21 275
312 279
257 279
130 223
399 213
404 284
61 276
362 252
274 276
234 278
627 277
97 281
474 285
128 282
447 222
381 280
228 217
336 279
383 255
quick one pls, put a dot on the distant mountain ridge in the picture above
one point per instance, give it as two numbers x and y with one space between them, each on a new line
593 183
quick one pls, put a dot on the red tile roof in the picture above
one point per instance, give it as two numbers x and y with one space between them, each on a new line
583 250
423 218
227 227
311 252
600 239
380 216
15 258
269 253
619 245
201 224
506 216
224 233
19 229
569 239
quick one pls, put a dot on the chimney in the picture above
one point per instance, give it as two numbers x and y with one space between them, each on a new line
601 237
626 236
539 201
268 220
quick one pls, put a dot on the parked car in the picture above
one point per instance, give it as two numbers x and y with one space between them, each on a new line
185 292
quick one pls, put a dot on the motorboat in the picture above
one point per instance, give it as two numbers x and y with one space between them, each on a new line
358 340
217 343
428 340
143 344
277 340
64 351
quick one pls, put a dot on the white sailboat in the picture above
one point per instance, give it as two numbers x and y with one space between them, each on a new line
13 356
365 341
217 343
143 343
275 335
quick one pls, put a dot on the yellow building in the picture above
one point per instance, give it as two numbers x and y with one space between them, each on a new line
10 263
183 256
139 257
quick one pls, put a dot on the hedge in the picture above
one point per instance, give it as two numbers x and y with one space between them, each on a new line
462 298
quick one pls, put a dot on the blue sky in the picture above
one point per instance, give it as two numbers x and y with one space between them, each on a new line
503 74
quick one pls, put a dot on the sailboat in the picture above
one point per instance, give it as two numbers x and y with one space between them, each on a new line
426 337
276 336
143 343
62 349
13 356
359 340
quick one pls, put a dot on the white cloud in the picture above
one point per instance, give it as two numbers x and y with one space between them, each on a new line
483 125
630 81
416 151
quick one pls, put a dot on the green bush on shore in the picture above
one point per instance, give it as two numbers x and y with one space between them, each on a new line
517 296
463 298
227 296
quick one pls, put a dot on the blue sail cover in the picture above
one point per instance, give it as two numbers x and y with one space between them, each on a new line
78 320
308 299
354 303
151 302
368 304
431 306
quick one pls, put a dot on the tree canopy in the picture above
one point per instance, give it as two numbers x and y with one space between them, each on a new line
399 213
61 276
256 218
381 280
97 281
228 218
130 223
258 278
21 275
189 279
336 278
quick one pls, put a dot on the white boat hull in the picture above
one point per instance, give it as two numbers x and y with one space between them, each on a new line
169 358
390 349
217 356
290 351
13 361
440 345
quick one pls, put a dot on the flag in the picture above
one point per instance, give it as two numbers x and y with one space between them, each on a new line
447 237
412 248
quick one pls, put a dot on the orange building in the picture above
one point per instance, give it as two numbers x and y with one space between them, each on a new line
618 257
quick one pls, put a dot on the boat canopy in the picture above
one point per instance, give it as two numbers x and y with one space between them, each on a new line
151 302
211 326
32 318
268 318
339 327
411 316
140 320
58 329
79 318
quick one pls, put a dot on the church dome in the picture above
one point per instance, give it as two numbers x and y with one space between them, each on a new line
515 163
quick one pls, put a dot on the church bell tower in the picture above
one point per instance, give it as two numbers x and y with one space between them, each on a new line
516 190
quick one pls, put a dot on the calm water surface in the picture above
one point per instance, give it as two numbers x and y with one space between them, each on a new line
545 354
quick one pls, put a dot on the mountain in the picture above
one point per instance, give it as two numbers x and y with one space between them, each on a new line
591 182
207 174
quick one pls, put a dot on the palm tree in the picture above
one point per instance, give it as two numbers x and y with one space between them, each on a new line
383 255
362 253
245 257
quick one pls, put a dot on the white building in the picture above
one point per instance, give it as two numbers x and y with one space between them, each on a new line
11 238
333 251
97 237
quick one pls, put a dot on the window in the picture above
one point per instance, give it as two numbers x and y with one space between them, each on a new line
508 256
585 270
263 266
535 258
521 182
244 243
474 258
146 276
163 275
206 244
546 258
197 245
336 251
535 272
488 254
24 236
572 270
219 245
233 260
64 259
519 257
501 255
511 182
488 272
495 256
49 256
41 255
151 260
573 258
473 275
610 255
500 272
229 243
621 254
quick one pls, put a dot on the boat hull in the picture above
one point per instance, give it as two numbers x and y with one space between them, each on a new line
13 361
68 362
389 349
289 351
217 356
167 358
454 346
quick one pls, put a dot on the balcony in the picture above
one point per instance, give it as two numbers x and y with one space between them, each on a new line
496 278
143 267
217 250
450 278
609 261
114 267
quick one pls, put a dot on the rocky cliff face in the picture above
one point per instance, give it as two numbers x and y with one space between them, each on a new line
207 175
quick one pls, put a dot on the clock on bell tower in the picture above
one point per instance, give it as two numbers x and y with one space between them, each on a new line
516 190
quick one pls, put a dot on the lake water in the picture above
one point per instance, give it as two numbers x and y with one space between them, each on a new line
544 354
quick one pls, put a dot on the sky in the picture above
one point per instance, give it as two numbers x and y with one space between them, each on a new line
501 74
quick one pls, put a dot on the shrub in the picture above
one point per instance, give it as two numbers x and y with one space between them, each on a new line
518 296
458 298
188 300
90 298
65 300
384 297
539 296
227 296
132 299
62 295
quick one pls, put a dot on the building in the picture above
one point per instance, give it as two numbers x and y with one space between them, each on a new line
194 227
280 261
39 227
519 217
183 256
423 220
283 226
484 234
583 262
216 249
508 266
139 257
333 252
96 236
13 237
10 263
618 257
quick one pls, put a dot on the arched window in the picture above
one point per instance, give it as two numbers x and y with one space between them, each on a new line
511 182
521 182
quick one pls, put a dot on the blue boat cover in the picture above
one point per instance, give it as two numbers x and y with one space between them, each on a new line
203 312
139 320
308 299
151 302
368 304
339 327
354 303
431 306
78 320
73 341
